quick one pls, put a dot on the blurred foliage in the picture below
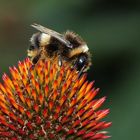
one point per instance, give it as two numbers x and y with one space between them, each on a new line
112 31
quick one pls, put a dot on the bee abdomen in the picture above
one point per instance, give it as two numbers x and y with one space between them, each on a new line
35 40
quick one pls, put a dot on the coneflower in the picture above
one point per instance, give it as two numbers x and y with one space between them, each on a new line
51 103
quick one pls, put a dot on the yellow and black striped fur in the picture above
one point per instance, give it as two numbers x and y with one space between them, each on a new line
69 47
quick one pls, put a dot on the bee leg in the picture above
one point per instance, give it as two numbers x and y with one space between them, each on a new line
34 61
31 68
59 60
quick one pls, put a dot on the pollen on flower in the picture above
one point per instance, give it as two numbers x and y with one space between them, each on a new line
50 102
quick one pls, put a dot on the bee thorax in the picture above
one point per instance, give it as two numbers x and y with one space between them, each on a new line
81 49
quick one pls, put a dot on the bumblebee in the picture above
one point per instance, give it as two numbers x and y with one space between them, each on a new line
69 47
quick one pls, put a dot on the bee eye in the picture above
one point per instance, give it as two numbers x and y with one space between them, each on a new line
81 62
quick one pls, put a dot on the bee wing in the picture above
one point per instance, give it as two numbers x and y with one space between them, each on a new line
55 34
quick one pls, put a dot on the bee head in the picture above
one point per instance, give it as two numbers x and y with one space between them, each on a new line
82 62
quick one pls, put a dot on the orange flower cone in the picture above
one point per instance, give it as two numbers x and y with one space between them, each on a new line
50 102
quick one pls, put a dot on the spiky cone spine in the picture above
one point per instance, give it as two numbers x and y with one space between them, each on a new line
49 102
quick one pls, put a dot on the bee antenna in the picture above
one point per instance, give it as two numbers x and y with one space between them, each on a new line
81 71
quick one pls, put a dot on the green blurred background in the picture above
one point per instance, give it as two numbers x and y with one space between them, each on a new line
111 29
